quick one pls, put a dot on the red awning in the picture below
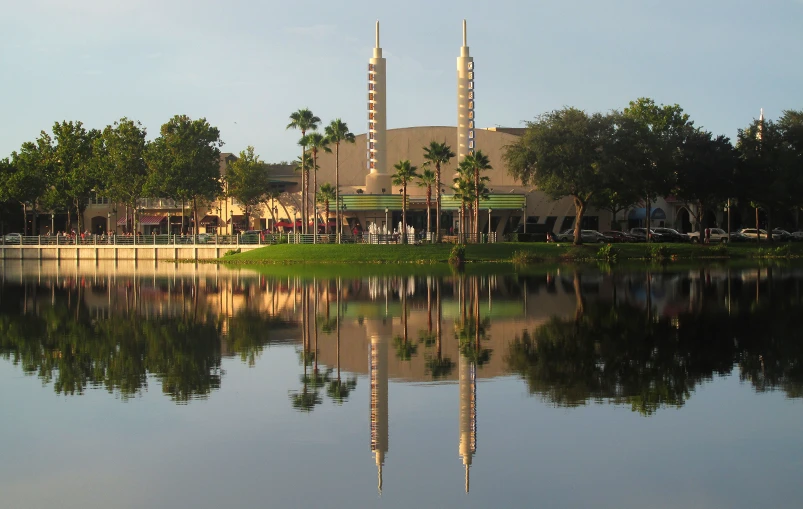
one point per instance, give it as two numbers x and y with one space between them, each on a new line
151 220
285 224
122 221
210 220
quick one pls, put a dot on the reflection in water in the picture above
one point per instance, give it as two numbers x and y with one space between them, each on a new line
642 339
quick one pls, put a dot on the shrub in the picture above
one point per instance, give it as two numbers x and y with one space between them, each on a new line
608 253
232 252
522 258
659 252
720 250
457 256
782 251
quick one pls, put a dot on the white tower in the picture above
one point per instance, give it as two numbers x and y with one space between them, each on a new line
468 413
378 178
465 101
379 403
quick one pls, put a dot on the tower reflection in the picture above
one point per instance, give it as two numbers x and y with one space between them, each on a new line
379 402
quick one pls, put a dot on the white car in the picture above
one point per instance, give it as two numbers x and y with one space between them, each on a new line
750 233
717 235
12 238
797 236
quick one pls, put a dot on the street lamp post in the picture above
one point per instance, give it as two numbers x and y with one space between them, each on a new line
231 222
387 225
489 223
52 223
108 222
729 219
524 217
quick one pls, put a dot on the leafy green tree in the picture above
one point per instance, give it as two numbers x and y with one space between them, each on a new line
184 162
437 155
479 163
337 132
655 134
791 127
73 166
405 174
120 162
304 120
564 153
23 178
247 180
705 172
326 195
427 179
761 151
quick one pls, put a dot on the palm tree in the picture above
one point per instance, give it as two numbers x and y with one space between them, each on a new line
405 173
464 191
303 166
338 132
325 196
316 142
427 179
478 162
438 154
304 121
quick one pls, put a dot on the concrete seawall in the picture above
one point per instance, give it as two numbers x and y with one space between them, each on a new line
145 252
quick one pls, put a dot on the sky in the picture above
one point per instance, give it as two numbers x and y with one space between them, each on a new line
245 66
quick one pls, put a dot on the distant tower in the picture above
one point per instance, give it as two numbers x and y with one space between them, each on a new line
379 403
378 178
468 412
760 125
465 101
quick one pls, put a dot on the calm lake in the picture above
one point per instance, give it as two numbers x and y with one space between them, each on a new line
170 386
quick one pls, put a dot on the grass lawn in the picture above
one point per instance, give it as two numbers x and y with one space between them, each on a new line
360 254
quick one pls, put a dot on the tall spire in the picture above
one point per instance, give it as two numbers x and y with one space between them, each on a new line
465 99
377 34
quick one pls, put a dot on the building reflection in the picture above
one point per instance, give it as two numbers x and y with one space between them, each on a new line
645 340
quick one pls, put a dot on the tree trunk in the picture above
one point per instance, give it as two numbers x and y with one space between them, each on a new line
24 219
758 231
315 190
438 203
78 215
338 212
429 210
649 229
476 204
579 211
284 208
769 224
272 216
195 216
404 214
700 216
183 231
326 211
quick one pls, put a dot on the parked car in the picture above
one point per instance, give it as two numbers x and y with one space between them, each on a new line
738 237
588 236
201 238
12 238
641 234
716 235
671 235
620 236
751 233
797 236
785 235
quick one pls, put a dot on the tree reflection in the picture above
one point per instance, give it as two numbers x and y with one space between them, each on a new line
63 342
621 354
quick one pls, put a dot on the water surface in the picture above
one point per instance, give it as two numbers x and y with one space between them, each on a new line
196 386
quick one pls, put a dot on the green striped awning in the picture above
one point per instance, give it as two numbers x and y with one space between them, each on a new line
494 201
372 201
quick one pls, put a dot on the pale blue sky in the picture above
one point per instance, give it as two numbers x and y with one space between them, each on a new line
246 66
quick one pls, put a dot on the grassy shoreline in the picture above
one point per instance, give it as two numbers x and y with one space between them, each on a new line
519 253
